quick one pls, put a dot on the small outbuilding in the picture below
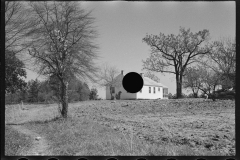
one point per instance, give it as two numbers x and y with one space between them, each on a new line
150 90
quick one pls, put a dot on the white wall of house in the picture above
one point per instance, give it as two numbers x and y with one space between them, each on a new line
124 94
146 95
117 84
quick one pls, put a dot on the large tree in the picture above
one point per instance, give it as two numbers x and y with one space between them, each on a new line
62 43
16 15
222 61
15 27
14 73
173 53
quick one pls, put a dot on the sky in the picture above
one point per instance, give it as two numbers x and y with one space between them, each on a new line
122 25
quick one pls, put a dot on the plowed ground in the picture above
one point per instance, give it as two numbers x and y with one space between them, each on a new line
199 123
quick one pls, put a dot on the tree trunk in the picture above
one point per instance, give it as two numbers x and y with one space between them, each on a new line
179 86
64 97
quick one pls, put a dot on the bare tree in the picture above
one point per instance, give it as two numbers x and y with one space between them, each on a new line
108 77
16 15
222 61
152 76
209 80
173 53
192 79
62 43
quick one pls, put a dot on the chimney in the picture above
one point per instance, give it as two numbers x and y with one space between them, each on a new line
122 72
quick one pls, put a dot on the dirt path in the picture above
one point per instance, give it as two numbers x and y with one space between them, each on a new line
39 146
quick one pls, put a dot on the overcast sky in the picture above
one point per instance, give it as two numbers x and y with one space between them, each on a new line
122 26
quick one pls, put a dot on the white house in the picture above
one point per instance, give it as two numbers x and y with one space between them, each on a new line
150 89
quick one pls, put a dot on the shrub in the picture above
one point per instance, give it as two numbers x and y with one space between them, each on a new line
222 94
170 96
230 97
191 95
112 97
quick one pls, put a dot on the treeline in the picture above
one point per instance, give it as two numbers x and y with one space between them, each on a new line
36 91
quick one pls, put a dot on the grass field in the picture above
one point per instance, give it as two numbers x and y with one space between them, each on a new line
15 142
131 127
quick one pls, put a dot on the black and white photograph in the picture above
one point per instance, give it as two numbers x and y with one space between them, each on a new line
120 78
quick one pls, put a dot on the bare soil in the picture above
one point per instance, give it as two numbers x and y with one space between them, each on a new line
204 125
199 123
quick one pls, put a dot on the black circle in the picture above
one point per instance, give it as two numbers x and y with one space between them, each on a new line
82 159
132 82
22 158
52 159
111 158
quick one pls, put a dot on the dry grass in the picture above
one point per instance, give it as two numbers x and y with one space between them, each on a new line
15 142
164 128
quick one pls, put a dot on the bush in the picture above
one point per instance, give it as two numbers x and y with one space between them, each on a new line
93 94
170 96
229 97
230 93
112 98
222 94
190 95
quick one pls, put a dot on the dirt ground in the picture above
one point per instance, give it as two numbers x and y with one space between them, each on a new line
198 123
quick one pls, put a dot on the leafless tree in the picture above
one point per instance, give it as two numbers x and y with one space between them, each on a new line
152 76
16 15
108 77
173 53
222 61
62 43
192 79
208 79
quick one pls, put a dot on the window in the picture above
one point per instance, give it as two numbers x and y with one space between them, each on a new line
112 89
153 89
159 89
149 89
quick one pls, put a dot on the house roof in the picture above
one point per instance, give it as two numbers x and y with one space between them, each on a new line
149 82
